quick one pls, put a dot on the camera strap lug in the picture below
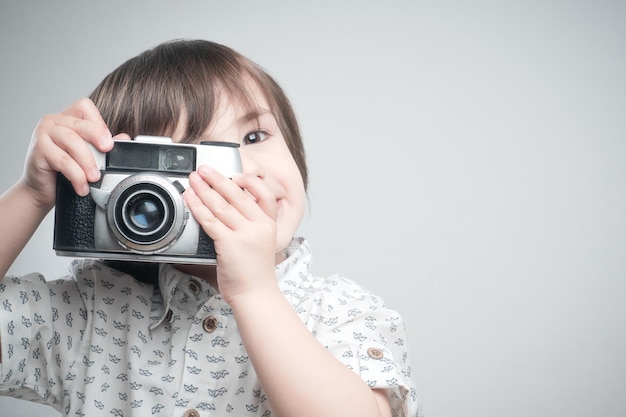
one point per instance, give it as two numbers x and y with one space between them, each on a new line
100 197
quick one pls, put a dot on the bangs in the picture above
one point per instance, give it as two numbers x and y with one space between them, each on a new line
173 83
183 81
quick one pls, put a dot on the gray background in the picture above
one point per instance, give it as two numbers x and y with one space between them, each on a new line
467 164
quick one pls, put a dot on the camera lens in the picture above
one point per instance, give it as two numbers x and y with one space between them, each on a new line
145 212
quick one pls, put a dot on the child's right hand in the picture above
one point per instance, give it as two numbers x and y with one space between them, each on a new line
59 144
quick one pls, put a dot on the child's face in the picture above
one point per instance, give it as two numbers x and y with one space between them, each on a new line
264 153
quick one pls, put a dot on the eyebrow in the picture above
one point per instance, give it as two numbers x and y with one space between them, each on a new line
254 115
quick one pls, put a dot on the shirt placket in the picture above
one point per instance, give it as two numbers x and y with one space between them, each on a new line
204 372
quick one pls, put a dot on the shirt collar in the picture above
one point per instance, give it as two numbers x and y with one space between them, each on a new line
296 264
174 286
297 255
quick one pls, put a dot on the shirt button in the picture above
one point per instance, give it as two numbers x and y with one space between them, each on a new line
375 353
194 287
209 324
191 413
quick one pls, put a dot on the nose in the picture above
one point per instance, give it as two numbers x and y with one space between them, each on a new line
251 165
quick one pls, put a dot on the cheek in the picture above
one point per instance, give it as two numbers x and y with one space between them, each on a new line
291 212
293 206
298 204
297 191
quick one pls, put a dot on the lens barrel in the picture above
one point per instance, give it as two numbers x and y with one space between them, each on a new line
146 212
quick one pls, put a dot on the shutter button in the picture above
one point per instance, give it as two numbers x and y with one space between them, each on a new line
375 353
209 324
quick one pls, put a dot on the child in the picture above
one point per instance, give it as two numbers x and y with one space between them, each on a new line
255 335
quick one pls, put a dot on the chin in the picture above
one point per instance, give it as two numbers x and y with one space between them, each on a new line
281 244
287 224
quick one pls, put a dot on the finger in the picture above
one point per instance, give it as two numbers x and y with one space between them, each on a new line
122 136
89 123
88 130
219 205
211 225
260 192
57 159
236 195
84 108
65 149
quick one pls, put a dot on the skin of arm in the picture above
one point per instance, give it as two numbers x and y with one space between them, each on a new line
58 144
20 215
299 375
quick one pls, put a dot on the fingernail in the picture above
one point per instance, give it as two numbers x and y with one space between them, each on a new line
107 139
83 190
205 169
94 174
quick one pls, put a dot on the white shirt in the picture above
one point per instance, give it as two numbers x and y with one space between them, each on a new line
99 343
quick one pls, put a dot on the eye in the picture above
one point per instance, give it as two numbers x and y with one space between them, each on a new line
255 137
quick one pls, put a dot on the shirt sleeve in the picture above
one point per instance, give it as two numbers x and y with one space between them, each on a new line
40 337
361 331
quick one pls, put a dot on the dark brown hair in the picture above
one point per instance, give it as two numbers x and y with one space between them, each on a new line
148 93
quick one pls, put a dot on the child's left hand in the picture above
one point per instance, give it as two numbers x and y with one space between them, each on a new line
240 216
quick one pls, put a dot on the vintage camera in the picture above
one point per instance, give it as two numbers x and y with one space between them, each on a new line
136 211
